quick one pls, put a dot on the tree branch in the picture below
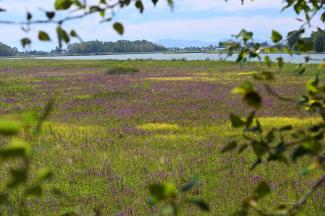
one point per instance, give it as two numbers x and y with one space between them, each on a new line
304 199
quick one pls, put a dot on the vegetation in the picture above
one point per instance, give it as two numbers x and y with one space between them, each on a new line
122 46
122 70
166 123
316 40
6 50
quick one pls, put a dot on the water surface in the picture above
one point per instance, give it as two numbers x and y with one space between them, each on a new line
315 58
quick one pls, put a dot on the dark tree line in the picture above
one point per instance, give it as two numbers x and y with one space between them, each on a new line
316 40
121 46
6 50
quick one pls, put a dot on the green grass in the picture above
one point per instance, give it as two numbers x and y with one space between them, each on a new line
110 136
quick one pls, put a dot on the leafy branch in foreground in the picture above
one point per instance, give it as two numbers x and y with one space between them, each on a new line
16 157
68 10
285 144
173 198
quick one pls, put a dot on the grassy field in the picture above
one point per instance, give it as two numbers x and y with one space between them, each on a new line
112 135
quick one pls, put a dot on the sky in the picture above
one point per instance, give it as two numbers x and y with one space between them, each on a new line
205 20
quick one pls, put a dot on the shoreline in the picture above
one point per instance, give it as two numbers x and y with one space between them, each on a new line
144 53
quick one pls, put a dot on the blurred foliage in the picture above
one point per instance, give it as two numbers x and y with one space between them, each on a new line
16 156
285 144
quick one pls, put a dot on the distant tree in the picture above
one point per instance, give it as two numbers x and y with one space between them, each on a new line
292 38
318 39
121 46
6 50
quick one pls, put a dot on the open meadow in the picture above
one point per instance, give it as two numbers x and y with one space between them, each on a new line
114 132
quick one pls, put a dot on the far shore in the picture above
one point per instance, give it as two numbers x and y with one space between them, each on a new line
221 52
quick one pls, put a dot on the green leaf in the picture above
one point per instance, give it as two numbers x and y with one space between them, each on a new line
63 34
242 212
17 148
73 33
9 128
29 16
280 62
201 204
46 112
18 176
171 3
304 45
94 9
250 119
118 28
230 146
44 174
78 4
154 2
236 121
3 198
35 190
270 135
245 35
25 42
29 118
268 61
286 128
265 75
63 4
260 148
276 36
262 190
162 191
312 86
242 148
43 36
244 88
300 69
322 18
253 99
299 152
139 5
256 163
312 145
190 185
50 14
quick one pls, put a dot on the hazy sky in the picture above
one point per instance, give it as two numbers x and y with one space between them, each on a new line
207 20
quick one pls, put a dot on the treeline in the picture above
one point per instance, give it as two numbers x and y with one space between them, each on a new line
316 41
294 41
121 46
6 50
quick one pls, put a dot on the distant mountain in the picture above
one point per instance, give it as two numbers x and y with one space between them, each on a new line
169 43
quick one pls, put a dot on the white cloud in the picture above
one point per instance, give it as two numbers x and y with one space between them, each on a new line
212 29
230 5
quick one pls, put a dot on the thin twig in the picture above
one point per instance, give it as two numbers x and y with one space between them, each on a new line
60 21
276 95
304 199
